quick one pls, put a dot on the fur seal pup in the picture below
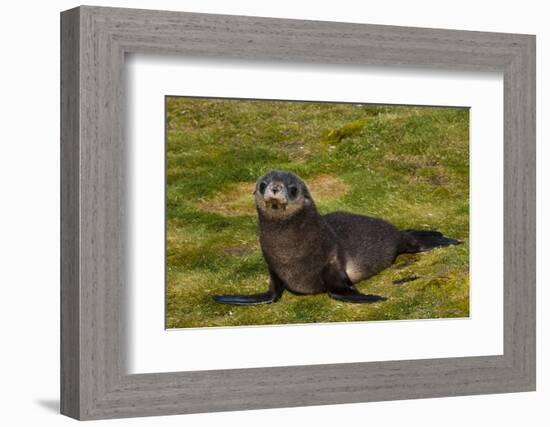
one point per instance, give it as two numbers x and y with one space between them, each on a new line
308 253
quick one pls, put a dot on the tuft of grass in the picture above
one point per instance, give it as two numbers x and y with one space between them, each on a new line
406 164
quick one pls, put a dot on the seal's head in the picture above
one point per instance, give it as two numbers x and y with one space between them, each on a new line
281 194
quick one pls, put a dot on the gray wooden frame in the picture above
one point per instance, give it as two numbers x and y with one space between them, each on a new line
94 382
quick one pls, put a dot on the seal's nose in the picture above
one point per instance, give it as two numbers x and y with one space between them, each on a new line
275 188
276 192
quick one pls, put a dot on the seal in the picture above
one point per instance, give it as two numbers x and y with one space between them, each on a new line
308 253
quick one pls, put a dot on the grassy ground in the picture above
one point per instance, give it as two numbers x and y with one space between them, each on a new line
406 164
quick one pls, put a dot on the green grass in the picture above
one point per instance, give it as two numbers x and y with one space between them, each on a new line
406 164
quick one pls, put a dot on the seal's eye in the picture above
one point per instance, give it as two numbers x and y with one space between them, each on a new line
293 191
263 185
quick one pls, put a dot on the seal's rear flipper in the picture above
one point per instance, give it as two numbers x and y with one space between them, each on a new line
265 298
424 240
354 296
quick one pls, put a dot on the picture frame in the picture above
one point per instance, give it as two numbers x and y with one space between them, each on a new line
94 381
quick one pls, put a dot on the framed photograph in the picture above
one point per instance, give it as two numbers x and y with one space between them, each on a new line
261 213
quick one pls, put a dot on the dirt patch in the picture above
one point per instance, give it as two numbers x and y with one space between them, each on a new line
236 201
239 199
325 188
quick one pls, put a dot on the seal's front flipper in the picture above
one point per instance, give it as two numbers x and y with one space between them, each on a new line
340 287
276 288
265 298
354 296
